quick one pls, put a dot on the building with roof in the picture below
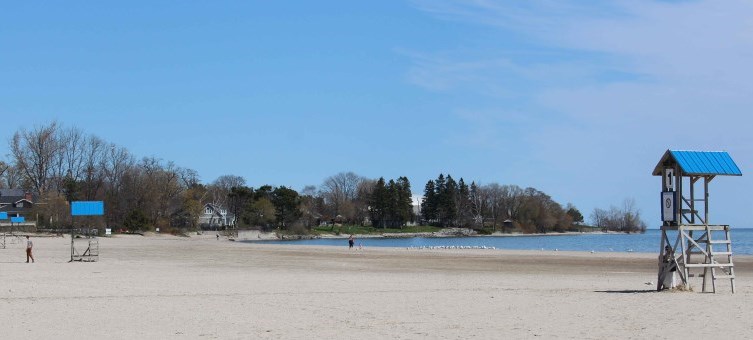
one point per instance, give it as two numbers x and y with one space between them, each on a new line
215 216
17 203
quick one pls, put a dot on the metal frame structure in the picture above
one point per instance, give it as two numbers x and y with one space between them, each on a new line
7 232
89 253
686 230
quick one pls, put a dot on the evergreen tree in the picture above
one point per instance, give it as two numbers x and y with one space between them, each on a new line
440 185
574 213
286 202
240 200
378 203
462 201
392 204
429 203
136 220
447 207
405 200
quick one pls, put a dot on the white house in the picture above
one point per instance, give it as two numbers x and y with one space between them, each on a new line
215 216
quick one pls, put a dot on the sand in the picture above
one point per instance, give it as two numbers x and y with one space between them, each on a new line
199 288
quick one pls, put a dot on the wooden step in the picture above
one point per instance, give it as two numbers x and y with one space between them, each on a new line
717 277
719 242
721 253
708 265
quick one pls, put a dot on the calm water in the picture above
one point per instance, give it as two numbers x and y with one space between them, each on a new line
649 242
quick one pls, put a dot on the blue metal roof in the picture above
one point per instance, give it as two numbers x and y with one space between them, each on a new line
700 163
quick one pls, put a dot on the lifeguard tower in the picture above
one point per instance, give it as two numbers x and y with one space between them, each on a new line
84 241
700 249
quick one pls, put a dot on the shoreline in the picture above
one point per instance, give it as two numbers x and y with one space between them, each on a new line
439 234
421 242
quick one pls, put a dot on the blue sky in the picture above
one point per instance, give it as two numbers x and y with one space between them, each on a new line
577 99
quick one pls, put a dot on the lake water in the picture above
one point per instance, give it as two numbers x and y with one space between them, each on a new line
649 242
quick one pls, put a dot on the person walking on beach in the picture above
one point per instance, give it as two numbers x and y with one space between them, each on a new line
351 241
29 245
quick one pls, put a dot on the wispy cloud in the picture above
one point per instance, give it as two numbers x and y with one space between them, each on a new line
528 17
619 60
509 72
628 77
439 72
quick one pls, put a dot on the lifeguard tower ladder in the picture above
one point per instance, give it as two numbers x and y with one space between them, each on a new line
700 249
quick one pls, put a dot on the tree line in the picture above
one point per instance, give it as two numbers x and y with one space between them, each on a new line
625 219
450 203
62 164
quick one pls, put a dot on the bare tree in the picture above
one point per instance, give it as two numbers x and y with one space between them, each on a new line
189 177
35 153
221 187
116 162
309 206
158 188
94 157
228 182
309 190
626 219
54 212
69 163
66 164
512 200
363 195
477 197
170 188
493 194
3 170
340 191
12 178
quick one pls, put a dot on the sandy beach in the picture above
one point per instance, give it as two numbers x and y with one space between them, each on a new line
159 287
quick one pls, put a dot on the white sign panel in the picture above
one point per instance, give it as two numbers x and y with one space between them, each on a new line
668 206
669 179
108 231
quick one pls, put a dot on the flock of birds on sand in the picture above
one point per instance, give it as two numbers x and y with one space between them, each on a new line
483 247
452 247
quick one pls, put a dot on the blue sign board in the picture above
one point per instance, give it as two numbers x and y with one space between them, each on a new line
87 208
17 219
3 215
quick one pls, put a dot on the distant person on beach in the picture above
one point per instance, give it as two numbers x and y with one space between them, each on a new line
218 237
29 245
351 241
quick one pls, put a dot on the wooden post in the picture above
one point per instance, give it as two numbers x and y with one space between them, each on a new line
72 234
662 274
692 199
706 181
